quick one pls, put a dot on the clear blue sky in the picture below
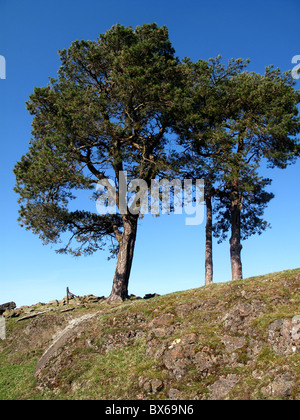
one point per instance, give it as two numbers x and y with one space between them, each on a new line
169 255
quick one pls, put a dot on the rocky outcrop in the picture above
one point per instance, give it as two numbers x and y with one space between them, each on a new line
7 307
284 335
239 340
10 310
60 339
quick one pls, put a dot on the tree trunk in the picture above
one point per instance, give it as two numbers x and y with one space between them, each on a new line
124 262
235 240
208 244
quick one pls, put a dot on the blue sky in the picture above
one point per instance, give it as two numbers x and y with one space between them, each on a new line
169 255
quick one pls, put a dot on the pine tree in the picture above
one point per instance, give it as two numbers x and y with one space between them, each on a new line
107 112
233 122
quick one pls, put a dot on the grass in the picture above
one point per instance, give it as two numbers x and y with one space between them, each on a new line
17 381
113 375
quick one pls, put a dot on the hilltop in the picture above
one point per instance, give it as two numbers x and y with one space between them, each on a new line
234 340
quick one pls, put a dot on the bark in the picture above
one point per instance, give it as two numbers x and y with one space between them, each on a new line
235 240
208 244
124 262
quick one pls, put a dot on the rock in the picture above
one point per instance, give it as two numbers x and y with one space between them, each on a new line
255 346
163 332
150 295
221 388
150 385
256 374
157 385
133 297
245 309
161 321
53 303
14 313
283 336
145 384
176 362
155 348
92 299
281 387
142 380
242 314
39 304
60 339
177 357
296 328
25 309
203 363
185 309
7 307
233 343
174 394
232 320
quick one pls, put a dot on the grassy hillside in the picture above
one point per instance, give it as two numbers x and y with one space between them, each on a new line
235 340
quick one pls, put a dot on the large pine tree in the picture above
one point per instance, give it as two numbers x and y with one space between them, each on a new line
107 112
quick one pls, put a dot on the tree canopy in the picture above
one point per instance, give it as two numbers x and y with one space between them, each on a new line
234 121
109 113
